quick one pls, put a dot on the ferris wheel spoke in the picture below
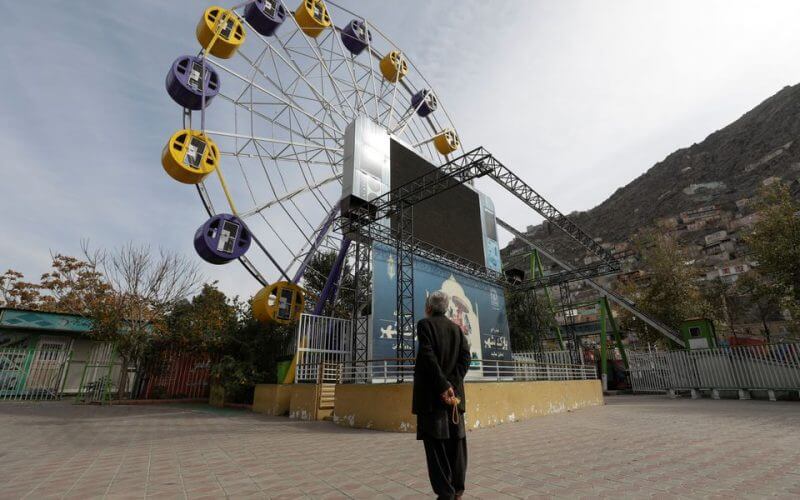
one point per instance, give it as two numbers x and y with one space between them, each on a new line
319 95
315 55
372 78
391 107
271 120
289 217
290 195
267 92
351 72
323 204
273 141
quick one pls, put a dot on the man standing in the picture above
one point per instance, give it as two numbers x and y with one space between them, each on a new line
442 362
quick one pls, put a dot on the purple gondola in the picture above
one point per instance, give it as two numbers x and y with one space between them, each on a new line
424 102
265 16
221 239
356 36
185 83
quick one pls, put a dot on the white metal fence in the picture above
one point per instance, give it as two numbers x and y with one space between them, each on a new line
321 339
32 374
391 370
565 357
769 367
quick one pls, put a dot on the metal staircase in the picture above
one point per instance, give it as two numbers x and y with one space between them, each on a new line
328 375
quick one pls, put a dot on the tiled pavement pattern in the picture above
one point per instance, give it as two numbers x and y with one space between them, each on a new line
635 446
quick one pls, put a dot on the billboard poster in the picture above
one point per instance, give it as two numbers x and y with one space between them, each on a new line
477 306
491 248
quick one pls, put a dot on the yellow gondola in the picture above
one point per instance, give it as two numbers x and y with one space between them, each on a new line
228 28
446 141
394 66
281 303
189 156
312 17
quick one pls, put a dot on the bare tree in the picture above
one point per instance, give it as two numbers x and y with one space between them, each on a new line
142 288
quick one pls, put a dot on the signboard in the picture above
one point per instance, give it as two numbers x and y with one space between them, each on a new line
477 306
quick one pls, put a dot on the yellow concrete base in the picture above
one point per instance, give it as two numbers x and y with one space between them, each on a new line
387 407
296 400
303 404
272 399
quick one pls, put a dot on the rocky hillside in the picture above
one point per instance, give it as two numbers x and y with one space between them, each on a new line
728 165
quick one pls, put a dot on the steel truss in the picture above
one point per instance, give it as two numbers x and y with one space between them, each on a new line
371 222
612 296
368 222
509 180
404 248
362 297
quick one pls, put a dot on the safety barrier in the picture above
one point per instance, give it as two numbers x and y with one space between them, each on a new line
565 357
744 368
321 339
93 375
392 370
173 375
32 374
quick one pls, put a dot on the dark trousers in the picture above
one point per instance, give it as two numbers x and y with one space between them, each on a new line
447 465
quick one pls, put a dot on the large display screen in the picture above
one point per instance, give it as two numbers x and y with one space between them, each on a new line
476 306
450 220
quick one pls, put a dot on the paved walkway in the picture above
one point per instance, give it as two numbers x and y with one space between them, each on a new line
635 446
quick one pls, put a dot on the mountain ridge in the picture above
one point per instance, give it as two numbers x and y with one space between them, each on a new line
730 164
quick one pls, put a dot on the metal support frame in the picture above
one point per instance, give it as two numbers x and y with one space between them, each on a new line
569 320
512 183
612 296
469 166
607 318
404 247
362 297
369 222
536 268
330 290
615 330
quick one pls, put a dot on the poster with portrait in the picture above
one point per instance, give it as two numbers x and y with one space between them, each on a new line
476 306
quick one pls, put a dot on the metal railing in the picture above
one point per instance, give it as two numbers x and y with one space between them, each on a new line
321 339
32 374
390 370
100 374
768 367
564 357
173 375
92 374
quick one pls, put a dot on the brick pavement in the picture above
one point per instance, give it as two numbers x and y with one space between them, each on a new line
634 447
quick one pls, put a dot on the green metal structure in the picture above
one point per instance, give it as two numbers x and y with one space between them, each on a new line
607 319
536 267
699 333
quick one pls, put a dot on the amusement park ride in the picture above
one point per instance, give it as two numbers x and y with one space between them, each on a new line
335 142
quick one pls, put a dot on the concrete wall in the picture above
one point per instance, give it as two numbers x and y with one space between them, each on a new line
493 403
272 399
303 402
387 407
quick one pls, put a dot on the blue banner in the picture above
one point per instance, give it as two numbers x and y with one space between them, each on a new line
478 307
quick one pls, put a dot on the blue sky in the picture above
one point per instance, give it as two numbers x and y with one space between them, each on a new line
578 97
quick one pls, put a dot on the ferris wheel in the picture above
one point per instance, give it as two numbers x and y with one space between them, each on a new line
265 104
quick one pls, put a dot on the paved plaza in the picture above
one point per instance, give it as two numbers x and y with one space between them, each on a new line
634 447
